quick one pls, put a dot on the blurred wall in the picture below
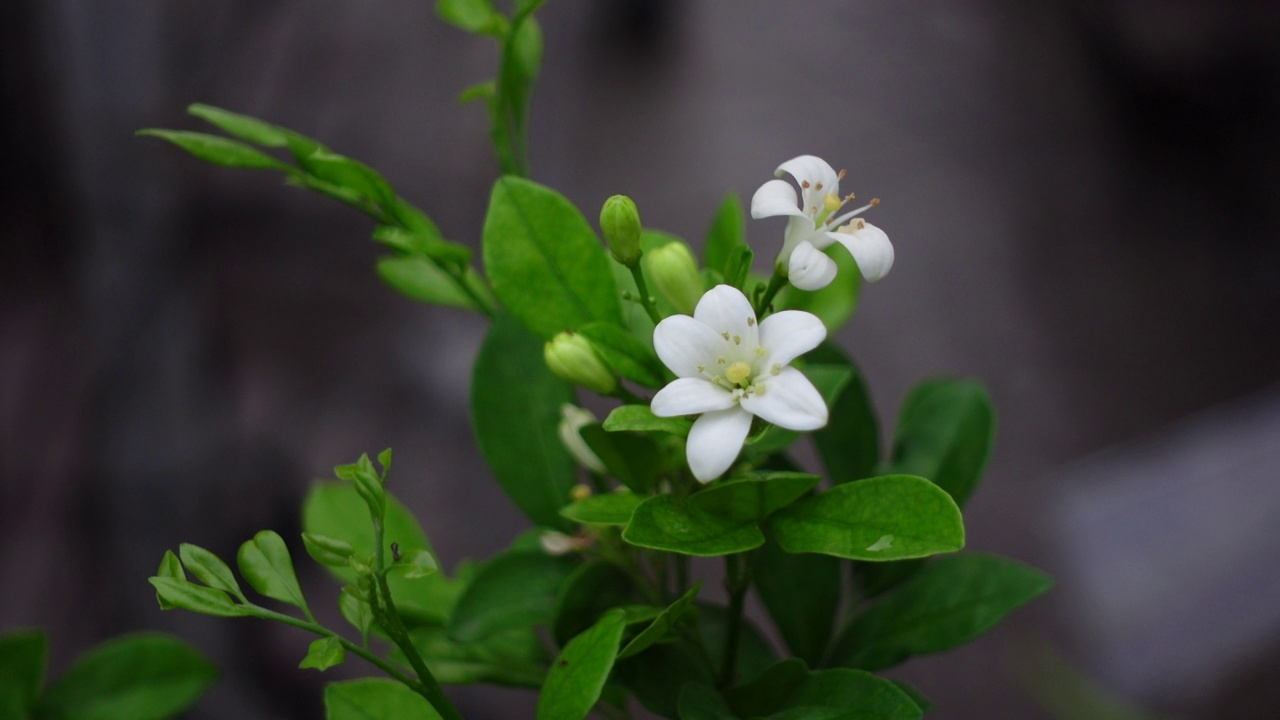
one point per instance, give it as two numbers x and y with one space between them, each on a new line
1080 195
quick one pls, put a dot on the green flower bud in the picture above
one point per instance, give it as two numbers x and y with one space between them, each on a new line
620 223
572 358
674 273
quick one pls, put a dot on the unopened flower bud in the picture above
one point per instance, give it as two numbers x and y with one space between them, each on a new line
674 273
571 357
620 223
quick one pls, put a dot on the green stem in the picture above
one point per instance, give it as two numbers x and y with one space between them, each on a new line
776 283
643 289
737 580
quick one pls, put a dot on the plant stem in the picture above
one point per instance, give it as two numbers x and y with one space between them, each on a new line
776 283
736 580
643 289
362 652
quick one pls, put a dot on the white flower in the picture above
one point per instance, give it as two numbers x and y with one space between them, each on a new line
813 224
730 368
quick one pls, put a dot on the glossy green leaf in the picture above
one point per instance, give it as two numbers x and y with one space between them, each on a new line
577 676
850 443
184 595
545 262
640 418
513 591
754 497
323 654
209 569
626 355
420 279
328 551
945 432
677 524
375 699
347 173
607 509
246 128
842 694
833 304
725 237
23 656
592 590
356 611
661 627
170 567
893 517
144 676
513 658
949 602
335 510
515 409
428 243
474 16
265 562
633 458
802 595
219 150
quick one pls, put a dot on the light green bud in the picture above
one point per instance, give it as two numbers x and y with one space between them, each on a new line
620 223
571 357
674 273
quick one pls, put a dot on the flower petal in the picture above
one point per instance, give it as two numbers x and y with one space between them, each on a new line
775 197
789 334
815 171
871 249
790 401
715 440
683 344
690 396
809 268
727 311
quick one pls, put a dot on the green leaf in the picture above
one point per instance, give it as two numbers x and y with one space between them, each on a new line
633 458
754 497
945 432
244 127
209 569
802 594
421 279
677 524
850 443
370 489
512 658
264 561
184 595
893 517
726 237
578 675
833 304
416 564
324 654
545 262
328 551
347 173
428 243
739 269
515 409
626 355
842 694
700 701
951 601
658 630
513 591
170 567
607 509
23 655
641 418
357 612
335 510
145 676
592 590
219 150
474 16
375 699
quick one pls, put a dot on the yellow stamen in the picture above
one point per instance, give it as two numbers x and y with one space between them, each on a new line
831 203
738 372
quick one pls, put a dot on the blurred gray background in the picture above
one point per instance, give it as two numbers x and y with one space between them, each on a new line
1082 196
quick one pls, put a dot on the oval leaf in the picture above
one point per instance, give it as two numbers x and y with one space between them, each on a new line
945 432
608 509
578 675
264 561
641 419
850 443
545 262
677 524
209 569
184 595
884 518
324 654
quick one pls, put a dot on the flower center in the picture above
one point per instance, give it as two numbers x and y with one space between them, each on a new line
738 373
